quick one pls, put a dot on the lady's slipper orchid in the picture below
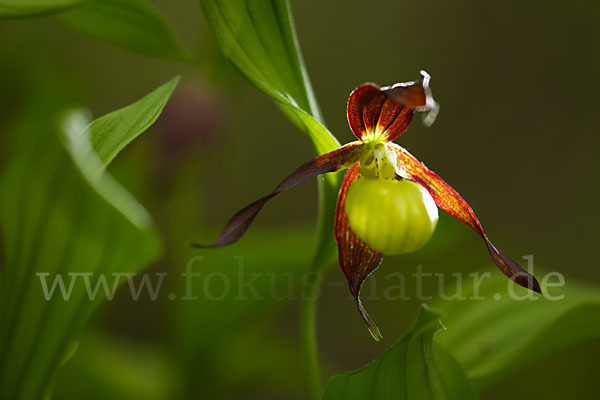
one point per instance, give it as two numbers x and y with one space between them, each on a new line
385 203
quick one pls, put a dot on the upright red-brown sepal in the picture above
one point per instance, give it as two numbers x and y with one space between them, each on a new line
356 258
386 113
450 201
371 113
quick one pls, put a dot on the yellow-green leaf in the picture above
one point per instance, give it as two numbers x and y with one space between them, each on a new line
415 368
131 24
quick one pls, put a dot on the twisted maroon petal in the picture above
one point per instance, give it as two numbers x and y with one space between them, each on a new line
356 258
341 158
450 201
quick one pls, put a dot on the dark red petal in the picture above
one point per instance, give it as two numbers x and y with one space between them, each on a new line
387 112
356 258
341 158
450 201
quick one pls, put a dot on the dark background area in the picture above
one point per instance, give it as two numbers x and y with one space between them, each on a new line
516 136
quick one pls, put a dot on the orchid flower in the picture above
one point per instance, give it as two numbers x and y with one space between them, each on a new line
386 203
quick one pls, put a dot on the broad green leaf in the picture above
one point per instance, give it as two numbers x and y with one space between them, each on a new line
110 133
61 221
495 335
247 279
131 24
29 8
266 268
416 367
111 368
259 39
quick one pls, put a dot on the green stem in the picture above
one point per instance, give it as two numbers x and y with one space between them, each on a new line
324 256
309 333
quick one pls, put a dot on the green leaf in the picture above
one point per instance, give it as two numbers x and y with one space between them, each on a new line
250 277
131 24
30 8
238 287
60 217
495 335
107 367
259 39
110 133
416 367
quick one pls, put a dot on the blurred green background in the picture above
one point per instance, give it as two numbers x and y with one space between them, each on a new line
517 82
